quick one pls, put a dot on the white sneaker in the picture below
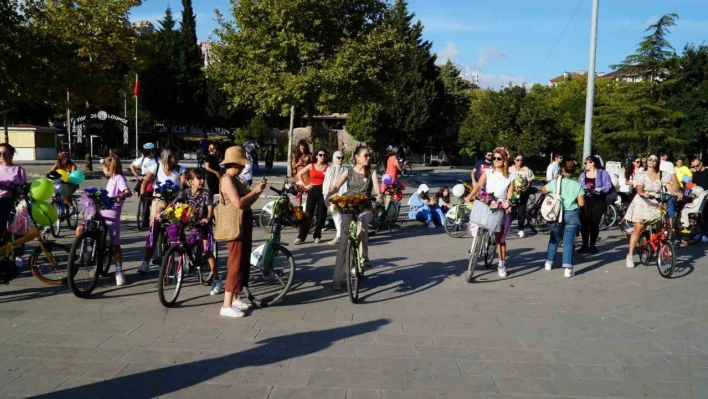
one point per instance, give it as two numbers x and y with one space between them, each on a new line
568 272
120 278
521 234
630 261
704 239
549 266
231 312
298 241
502 271
144 267
216 287
317 240
240 305
431 225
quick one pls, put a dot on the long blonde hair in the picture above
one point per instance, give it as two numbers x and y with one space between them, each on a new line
505 158
168 153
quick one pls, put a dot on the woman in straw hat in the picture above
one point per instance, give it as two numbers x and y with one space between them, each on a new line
233 191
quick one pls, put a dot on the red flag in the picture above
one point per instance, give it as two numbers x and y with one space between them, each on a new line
136 88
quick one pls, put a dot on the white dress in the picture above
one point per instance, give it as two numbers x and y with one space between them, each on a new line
497 184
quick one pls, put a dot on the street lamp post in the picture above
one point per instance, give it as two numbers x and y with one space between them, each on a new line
590 100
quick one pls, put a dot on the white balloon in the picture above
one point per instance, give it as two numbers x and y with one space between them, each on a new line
458 191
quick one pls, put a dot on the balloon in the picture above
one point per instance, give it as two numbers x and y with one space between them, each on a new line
44 213
77 177
387 179
458 191
686 179
41 189
689 185
64 175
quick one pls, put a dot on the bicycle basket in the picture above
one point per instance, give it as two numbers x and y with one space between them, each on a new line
483 216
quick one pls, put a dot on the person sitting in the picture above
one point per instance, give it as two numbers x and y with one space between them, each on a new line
425 209
442 198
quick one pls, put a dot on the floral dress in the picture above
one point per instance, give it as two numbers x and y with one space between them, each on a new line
643 210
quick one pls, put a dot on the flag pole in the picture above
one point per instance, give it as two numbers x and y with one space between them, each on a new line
135 94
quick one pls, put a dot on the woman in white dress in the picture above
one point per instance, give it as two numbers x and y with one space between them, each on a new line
498 181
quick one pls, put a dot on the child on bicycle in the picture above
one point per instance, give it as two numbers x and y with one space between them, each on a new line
117 188
202 201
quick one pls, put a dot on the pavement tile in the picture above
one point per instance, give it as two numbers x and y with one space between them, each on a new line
543 370
427 352
526 386
363 394
486 369
651 389
95 354
118 341
158 356
43 339
583 357
591 388
275 376
404 366
324 363
448 383
8 365
306 393
404 339
32 386
513 355
354 380
199 332
598 371
408 395
69 368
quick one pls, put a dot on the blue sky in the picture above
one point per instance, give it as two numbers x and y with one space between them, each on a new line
504 41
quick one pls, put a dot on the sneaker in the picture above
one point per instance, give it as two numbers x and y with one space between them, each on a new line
521 234
568 272
298 241
431 225
584 249
549 266
334 241
240 305
337 286
704 239
502 271
120 278
216 287
231 312
144 267
317 240
630 261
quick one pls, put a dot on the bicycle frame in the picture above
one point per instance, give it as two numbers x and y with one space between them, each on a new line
7 249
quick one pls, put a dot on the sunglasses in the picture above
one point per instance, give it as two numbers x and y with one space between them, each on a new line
320 155
653 160
695 166
498 158
519 160
636 161
5 153
338 157
366 156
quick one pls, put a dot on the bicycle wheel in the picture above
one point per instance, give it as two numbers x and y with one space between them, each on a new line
83 267
161 247
170 278
50 268
666 261
609 218
458 228
72 217
268 284
140 216
474 254
265 220
644 250
105 259
353 271
56 226
490 250
407 170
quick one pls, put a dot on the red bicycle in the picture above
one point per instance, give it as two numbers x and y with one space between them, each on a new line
656 242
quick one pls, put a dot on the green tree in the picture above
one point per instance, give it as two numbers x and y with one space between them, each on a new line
455 102
192 84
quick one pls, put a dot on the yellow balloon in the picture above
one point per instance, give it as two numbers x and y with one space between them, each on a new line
64 175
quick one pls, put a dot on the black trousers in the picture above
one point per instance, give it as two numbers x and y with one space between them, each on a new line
590 218
315 199
521 210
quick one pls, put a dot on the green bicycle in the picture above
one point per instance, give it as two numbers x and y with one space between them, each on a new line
355 262
272 265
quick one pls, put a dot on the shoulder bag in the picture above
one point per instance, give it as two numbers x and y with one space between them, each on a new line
227 221
552 206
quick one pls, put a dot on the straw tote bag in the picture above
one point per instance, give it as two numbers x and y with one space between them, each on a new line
227 221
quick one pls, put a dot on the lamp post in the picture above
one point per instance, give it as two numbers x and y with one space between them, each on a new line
590 100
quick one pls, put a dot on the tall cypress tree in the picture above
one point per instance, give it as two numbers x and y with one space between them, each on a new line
192 82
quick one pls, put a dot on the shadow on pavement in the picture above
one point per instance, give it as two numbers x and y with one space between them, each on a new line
165 380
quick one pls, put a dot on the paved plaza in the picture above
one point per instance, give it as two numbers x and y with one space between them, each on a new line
419 332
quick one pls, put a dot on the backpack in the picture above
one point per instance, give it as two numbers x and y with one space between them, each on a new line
552 206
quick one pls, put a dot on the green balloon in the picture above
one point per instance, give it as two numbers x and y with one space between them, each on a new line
41 189
44 213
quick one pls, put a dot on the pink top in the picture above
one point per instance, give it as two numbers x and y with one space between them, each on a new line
391 168
10 178
116 185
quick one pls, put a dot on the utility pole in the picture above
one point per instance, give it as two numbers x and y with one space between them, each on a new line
290 140
590 100
68 119
125 103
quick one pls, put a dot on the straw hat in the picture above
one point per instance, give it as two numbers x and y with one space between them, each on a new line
235 154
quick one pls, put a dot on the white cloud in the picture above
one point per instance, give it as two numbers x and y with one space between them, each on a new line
490 80
450 52
491 53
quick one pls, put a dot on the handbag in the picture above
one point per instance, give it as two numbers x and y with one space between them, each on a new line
483 216
227 221
552 206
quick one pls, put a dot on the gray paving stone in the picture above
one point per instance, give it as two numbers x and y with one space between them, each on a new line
598 371
513 355
8 366
363 394
31 386
158 356
403 366
404 339
486 369
448 383
78 387
275 376
526 386
95 354
306 393
591 388
354 380
543 370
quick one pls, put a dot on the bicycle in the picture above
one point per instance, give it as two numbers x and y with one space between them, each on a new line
273 269
484 246
266 219
144 202
406 168
90 256
457 219
533 215
355 262
47 262
182 258
655 241
385 216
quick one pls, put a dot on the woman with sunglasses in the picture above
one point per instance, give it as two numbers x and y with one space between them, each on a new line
168 169
334 172
11 178
597 183
498 181
315 197
522 177
644 206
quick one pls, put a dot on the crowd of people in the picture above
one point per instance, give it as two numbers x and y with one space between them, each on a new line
584 199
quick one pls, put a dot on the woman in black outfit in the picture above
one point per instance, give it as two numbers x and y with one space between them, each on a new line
211 165
597 183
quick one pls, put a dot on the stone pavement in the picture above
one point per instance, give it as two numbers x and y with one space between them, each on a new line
419 332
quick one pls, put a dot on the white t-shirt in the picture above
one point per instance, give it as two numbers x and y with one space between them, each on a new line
246 174
145 164
667 167
161 177
497 184
552 171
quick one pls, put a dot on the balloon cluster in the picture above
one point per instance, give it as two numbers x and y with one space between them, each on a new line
41 191
687 182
